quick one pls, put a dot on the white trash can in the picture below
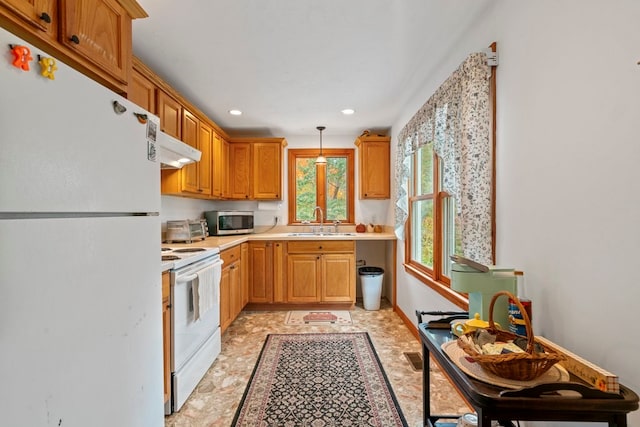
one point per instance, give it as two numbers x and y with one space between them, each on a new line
371 279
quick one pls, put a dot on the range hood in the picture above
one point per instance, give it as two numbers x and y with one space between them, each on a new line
173 154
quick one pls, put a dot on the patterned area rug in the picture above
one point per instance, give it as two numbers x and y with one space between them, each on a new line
318 316
318 380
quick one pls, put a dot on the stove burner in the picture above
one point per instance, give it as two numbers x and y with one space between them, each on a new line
189 250
169 257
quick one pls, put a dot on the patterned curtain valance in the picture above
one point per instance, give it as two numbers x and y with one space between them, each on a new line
456 118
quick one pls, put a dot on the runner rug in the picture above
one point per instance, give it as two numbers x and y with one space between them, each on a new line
318 380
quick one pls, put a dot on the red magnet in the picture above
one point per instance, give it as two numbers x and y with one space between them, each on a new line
22 57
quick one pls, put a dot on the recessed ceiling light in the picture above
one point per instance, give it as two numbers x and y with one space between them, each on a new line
348 111
235 112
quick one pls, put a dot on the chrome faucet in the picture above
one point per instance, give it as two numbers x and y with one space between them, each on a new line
318 208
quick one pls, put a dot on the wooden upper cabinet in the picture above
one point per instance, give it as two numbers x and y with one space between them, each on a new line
255 168
170 112
39 14
218 166
267 170
142 91
205 145
92 36
100 30
239 170
374 158
190 124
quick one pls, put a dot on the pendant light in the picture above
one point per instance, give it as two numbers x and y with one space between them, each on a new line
321 160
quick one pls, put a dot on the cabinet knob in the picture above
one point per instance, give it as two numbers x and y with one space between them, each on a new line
200 190
45 17
319 247
74 39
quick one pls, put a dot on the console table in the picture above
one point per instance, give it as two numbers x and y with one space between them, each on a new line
496 403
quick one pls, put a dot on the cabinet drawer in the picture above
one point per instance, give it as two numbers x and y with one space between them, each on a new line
231 255
322 246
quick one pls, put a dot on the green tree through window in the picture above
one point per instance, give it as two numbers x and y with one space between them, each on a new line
329 186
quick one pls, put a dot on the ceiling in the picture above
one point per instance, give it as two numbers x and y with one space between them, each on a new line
292 65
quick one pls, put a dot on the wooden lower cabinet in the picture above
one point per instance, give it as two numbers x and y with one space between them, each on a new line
244 273
260 272
321 271
230 286
166 334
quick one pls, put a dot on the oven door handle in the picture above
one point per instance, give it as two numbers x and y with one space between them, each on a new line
189 278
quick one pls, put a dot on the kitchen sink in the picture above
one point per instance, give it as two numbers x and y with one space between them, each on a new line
319 234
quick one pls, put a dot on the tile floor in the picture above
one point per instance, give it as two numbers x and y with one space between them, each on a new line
218 395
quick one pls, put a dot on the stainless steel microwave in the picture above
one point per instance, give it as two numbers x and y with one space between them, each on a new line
224 223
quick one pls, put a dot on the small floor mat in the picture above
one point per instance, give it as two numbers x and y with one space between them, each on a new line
301 317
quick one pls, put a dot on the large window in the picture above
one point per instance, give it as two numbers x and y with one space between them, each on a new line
445 174
329 186
433 236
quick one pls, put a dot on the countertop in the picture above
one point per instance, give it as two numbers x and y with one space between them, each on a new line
226 242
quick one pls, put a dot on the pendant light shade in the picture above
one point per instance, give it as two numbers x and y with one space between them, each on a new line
321 160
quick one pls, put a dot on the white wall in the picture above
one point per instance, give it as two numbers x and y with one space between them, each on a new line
567 154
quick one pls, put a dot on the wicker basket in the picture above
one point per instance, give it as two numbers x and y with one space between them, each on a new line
515 366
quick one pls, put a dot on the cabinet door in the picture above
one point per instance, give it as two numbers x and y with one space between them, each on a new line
374 170
303 275
225 170
235 290
225 298
244 272
190 128
338 278
261 272
266 167
99 30
217 165
205 145
142 92
239 168
170 112
40 14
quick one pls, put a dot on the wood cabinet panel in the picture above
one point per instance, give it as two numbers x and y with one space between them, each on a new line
190 128
142 91
38 14
267 170
225 298
321 271
374 158
170 112
321 246
205 145
218 162
338 278
244 272
239 170
100 30
261 272
303 274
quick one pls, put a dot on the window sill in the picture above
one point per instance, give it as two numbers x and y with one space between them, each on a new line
445 291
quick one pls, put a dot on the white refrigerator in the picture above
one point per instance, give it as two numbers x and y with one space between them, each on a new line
80 279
